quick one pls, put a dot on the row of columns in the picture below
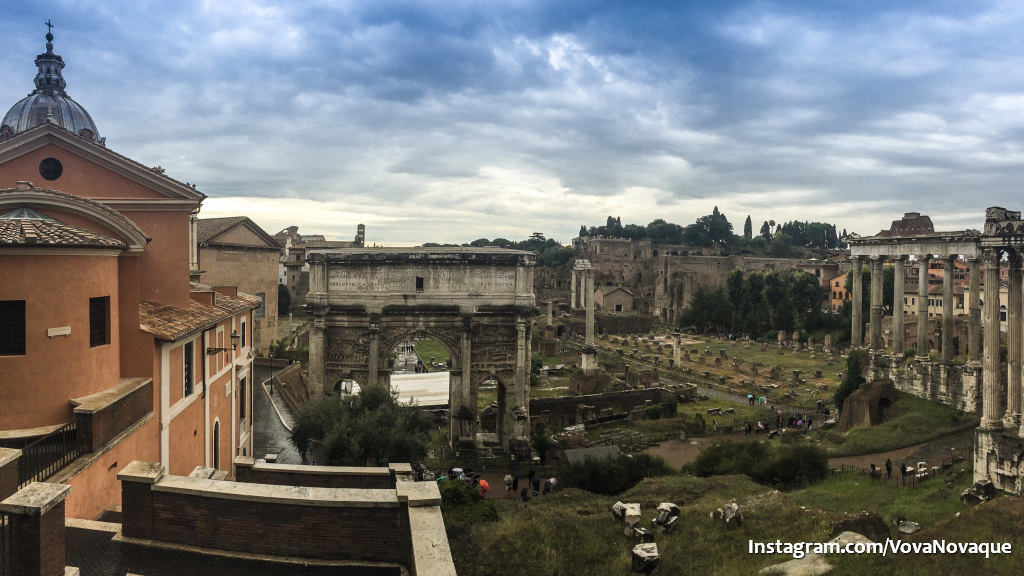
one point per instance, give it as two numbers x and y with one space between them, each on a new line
898 342
992 381
985 351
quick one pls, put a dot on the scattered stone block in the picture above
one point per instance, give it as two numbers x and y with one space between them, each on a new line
645 557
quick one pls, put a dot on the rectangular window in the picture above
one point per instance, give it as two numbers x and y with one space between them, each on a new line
419 283
243 333
241 399
189 372
262 310
12 327
99 321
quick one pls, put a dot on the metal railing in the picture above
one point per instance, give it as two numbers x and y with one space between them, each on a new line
937 468
48 454
6 551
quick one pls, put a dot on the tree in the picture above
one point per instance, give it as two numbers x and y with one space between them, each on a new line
707 311
284 298
736 288
766 231
371 428
852 379
805 293
583 231
748 228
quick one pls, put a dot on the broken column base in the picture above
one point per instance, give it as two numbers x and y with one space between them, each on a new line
588 360
999 457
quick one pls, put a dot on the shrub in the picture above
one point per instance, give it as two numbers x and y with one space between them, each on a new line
852 379
461 501
612 475
788 466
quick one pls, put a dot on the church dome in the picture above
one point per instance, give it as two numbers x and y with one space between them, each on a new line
49 103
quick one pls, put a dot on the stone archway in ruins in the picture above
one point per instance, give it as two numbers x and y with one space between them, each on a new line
477 302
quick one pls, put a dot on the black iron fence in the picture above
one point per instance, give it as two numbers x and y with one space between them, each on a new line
6 553
914 474
48 454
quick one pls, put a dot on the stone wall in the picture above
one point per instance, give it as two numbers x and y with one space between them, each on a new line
250 471
999 457
564 411
955 385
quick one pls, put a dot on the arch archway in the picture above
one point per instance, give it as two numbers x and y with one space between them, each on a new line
478 303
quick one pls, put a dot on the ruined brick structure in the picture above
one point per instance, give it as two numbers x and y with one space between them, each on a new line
664 277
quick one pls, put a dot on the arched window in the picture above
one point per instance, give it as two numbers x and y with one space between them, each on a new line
1002 313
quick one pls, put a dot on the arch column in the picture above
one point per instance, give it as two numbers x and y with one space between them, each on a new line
317 373
922 306
1014 331
875 332
857 322
374 378
974 310
990 416
947 308
898 285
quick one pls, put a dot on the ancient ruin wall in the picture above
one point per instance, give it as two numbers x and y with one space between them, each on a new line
955 385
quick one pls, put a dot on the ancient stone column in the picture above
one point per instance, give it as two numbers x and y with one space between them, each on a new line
898 285
922 306
947 309
572 289
467 349
551 319
588 284
991 384
974 311
317 385
1014 331
857 324
372 379
519 402
875 334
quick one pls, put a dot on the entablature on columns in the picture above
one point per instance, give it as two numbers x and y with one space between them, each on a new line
943 244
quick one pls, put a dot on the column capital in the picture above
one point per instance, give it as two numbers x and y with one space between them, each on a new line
990 255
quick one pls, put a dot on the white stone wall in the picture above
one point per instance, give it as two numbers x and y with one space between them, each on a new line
954 385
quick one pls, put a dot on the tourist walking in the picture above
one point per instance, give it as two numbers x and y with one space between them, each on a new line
888 469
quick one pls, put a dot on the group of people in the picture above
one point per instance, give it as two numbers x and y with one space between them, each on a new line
758 400
532 481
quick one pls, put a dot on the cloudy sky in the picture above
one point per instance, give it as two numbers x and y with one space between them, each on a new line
453 120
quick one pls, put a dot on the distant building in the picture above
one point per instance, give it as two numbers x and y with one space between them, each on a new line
293 271
837 292
235 251
613 299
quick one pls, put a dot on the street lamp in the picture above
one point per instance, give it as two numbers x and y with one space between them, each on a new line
235 337
271 373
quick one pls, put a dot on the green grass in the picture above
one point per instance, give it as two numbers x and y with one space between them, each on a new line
572 532
912 421
815 388
427 348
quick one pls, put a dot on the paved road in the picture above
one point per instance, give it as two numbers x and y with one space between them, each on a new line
269 435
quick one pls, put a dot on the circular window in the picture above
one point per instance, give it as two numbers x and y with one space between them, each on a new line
51 169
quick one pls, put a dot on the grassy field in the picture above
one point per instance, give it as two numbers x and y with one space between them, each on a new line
781 390
427 348
572 532
912 421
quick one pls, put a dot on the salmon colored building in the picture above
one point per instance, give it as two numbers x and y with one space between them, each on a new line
108 354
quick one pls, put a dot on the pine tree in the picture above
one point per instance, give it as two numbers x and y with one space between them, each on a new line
748 228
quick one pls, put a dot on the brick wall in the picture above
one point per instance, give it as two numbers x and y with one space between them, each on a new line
96 429
562 411
309 531
8 472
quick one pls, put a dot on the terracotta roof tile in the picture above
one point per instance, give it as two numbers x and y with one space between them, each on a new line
26 227
171 323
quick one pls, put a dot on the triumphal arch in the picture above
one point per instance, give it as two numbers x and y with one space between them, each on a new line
478 302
